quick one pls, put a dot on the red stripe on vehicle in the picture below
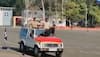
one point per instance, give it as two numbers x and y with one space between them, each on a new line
48 39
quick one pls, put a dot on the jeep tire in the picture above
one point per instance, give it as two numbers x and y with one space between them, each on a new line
58 54
37 52
22 47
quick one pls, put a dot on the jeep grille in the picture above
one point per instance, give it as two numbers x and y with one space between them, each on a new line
51 45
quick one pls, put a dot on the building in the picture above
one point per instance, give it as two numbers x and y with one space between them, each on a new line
17 21
6 14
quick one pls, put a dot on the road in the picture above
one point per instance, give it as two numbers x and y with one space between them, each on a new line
76 43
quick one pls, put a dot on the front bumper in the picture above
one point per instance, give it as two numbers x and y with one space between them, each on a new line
51 49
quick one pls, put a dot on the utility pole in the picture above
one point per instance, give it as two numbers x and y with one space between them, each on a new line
87 13
56 8
26 10
86 21
62 8
86 16
43 8
50 11
27 4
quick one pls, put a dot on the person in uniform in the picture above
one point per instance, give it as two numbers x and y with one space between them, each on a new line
29 23
47 27
5 40
33 23
5 34
52 28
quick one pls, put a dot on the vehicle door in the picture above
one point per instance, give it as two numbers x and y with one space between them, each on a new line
30 38
23 35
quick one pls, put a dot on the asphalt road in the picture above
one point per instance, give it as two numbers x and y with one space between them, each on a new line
76 43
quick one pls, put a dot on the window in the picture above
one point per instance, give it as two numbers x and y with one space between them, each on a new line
5 13
23 32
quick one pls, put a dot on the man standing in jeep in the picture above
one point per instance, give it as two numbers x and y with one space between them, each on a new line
50 28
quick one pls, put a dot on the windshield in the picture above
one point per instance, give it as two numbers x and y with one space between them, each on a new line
39 31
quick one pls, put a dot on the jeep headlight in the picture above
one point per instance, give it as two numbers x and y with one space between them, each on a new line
60 49
61 45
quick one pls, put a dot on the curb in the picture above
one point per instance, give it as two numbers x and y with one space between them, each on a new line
77 28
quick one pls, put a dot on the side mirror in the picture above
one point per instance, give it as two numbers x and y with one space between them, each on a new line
31 35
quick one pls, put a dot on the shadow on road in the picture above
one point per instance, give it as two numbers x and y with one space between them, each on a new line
30 53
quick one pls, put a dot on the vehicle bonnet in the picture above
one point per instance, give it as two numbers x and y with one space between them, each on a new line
48 39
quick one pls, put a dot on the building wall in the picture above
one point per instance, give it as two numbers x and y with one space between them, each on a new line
1 18
7 17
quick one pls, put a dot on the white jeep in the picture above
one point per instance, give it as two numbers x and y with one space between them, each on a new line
40 42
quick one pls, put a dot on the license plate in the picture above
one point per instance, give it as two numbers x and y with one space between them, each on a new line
53 49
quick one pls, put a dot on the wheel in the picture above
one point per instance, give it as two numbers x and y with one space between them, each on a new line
43 54
22 47
58 54
37 52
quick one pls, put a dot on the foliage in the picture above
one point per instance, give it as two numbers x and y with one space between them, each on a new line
73 9
76 9
17 4
95 11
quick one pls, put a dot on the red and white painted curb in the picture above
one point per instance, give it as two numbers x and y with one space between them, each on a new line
77 28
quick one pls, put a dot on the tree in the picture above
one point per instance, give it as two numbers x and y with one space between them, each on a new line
73 11
19 6
7 3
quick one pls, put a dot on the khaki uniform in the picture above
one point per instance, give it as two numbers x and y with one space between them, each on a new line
29 23
33 24
46 25
42 24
